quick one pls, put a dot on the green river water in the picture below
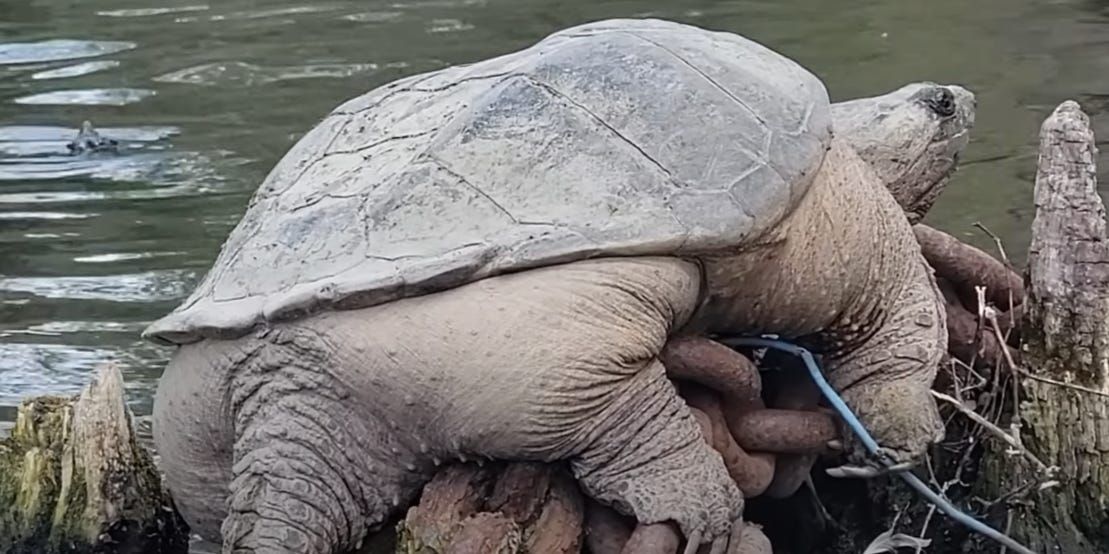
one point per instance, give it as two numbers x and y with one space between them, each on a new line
207 97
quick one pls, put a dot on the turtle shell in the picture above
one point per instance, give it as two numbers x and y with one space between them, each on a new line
621 137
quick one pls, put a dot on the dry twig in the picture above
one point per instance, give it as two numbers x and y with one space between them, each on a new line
996 241
994 429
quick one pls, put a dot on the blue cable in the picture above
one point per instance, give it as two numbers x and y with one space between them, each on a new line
872 445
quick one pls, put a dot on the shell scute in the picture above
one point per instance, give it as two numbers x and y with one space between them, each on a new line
615 138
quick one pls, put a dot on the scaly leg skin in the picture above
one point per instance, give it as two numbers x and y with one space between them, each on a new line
303 481
887 381
661 469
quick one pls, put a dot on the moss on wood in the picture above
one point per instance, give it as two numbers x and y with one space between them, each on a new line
76 480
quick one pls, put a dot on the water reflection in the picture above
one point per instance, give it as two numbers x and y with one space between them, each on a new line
372 17
246 74
58 49
151 286
43 215
122 256
448 26
76 70
33 369
267 13
58 136
88 97
146 12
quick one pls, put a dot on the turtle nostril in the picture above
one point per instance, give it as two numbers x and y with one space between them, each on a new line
942 101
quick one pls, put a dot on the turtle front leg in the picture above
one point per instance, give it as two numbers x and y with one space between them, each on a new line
647 458
887 381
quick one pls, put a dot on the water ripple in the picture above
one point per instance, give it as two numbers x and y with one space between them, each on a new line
276 12
247 74
39 153
87 97
49 216
50 168
39 133
60 328
125 256
145 12
37 369
426 4
448 26
59 49
373 17
151 286
75 70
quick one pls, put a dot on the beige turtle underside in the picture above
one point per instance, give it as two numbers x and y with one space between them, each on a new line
620 137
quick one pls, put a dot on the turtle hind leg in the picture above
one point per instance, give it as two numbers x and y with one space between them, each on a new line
648 459
309 476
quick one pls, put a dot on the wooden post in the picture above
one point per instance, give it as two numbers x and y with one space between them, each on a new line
501 508
74 479
1063 407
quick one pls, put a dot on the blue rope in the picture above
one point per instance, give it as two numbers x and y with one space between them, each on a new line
871 445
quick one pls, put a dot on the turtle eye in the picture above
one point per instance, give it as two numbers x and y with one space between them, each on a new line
941 101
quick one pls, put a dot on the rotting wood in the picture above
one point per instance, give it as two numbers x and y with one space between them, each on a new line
74 479
495 508
1066 331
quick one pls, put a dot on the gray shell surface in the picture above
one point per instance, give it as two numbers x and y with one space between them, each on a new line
614 138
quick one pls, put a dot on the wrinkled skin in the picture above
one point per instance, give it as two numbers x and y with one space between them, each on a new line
319 429
911 137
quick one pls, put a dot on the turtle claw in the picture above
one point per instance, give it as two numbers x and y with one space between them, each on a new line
720 544
853 472
730 542
693 542
885 461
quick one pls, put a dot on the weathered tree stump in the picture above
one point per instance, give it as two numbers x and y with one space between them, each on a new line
1064 391
74 479
495 509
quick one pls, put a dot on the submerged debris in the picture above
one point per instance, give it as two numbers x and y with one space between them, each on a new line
89 140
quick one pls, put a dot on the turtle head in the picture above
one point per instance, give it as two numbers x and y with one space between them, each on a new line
912 137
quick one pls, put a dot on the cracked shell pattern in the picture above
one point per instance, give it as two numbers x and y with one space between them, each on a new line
614 138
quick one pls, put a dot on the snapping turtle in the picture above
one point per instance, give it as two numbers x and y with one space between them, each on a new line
486 261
